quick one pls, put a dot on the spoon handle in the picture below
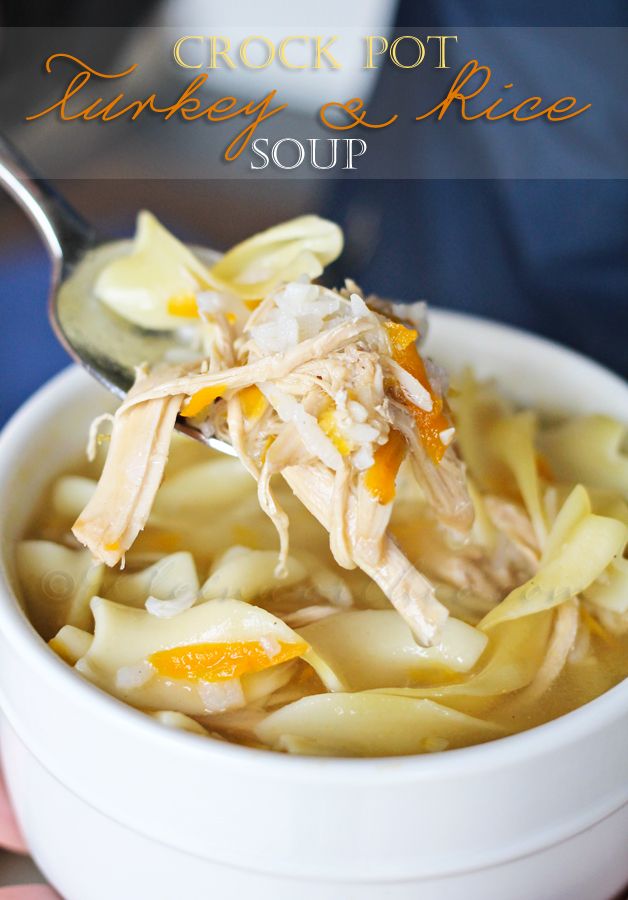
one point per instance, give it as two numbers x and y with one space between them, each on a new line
63 231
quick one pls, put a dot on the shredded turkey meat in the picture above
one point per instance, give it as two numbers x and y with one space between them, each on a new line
132 473
562 639
317 386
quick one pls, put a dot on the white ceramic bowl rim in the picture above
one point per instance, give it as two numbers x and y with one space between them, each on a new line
480 758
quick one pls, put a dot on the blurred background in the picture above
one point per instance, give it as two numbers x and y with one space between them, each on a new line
545 253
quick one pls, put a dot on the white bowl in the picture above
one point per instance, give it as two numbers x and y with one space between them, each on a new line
118 807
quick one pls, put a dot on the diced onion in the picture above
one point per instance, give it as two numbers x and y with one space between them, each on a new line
220 696
130 677
166 609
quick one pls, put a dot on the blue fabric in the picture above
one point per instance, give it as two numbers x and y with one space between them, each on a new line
546 255
29 351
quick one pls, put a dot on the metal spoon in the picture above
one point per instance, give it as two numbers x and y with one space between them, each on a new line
105 344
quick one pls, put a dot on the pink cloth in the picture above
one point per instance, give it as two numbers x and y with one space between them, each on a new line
11 838
28 892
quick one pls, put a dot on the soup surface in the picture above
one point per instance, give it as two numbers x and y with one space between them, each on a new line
346 677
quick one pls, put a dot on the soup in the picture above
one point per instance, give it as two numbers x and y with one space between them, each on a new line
394 565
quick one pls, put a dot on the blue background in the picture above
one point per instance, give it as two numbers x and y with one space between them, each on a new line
29 352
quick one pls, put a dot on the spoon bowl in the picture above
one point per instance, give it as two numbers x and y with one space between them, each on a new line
108 346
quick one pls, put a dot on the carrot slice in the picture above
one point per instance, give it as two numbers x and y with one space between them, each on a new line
380 478
183 305
253 402
221 661
198 401
429 424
